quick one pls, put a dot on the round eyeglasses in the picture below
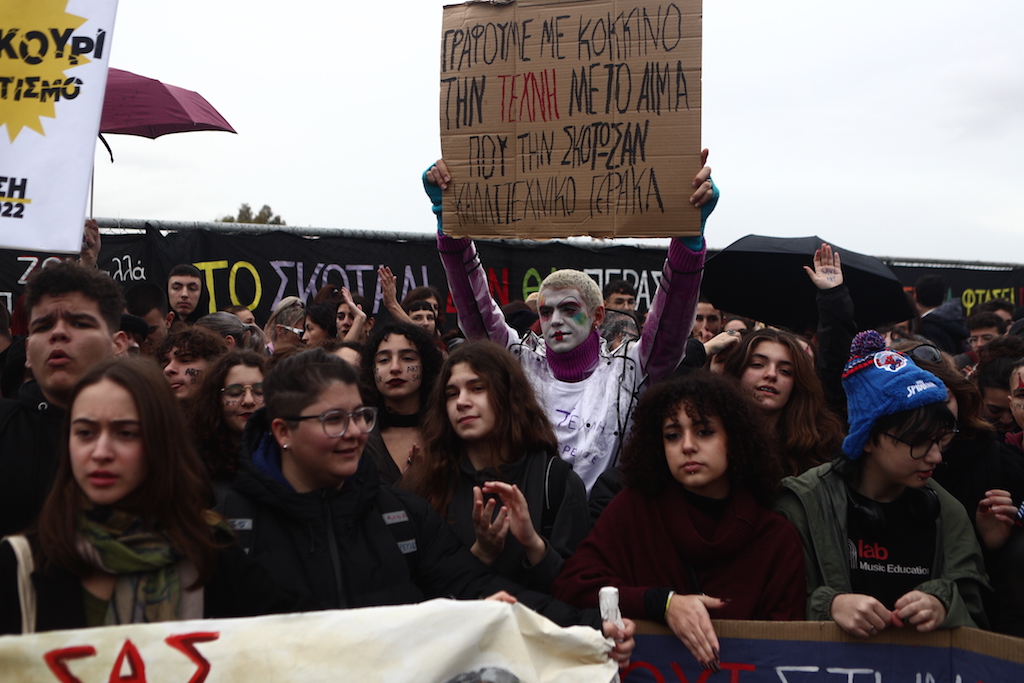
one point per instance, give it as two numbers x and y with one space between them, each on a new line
336 422
234 392
920 446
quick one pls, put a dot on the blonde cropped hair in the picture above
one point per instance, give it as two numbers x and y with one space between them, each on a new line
578 280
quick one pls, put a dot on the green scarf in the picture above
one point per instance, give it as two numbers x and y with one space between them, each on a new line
150 573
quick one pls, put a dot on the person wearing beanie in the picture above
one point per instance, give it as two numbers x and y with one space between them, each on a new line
588 392
885 545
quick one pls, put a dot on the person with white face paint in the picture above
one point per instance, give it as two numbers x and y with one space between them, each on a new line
588 393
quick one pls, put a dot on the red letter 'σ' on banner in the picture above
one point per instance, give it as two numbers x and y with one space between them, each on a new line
55 660
184 643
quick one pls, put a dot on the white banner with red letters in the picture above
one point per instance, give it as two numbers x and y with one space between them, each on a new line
442 641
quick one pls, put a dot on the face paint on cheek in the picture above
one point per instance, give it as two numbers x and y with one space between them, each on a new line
194 374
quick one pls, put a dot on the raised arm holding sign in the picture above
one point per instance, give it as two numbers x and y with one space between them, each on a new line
587 392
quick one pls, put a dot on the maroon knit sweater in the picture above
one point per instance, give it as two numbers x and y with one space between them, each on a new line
750 556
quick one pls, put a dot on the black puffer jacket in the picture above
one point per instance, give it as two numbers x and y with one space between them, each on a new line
361 545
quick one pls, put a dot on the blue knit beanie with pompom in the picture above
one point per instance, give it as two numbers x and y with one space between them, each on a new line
879 381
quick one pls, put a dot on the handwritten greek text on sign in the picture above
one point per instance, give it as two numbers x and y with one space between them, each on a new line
571 118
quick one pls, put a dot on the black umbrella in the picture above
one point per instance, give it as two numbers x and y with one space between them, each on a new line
763 278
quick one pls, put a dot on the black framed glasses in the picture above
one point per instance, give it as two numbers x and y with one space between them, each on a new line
336 422
920 446
234 392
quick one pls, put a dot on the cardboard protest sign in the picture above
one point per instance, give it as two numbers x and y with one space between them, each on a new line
442 641
53 74
571 118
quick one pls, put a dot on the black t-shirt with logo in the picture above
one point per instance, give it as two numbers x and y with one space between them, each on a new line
890 553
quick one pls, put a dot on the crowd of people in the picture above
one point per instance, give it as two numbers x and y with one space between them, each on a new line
162 464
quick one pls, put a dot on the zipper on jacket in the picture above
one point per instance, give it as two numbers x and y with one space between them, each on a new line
332 544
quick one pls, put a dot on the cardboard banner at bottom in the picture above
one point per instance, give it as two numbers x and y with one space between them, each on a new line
442 641
820 652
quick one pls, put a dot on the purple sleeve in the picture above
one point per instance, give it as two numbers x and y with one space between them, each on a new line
670 319
479 315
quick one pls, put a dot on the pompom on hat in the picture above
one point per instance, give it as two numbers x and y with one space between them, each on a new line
878 382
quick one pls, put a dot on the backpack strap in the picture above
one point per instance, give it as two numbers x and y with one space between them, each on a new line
26 589
556 474
240 514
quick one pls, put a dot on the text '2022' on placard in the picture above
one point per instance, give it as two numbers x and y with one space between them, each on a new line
571 118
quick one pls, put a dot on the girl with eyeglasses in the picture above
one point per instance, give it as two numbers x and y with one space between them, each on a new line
124 536
310 507
231 392
885 544
490 467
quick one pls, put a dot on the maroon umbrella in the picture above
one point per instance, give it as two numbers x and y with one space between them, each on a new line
136 105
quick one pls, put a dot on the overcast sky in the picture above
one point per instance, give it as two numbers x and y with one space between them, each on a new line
890 128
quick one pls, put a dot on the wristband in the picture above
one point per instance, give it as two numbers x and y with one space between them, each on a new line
667 603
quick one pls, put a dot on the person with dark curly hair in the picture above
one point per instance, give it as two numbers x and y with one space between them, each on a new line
230 393
780 377
185 355
399 367
490 467
692 531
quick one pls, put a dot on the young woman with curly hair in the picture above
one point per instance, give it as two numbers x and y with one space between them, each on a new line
125 536
399 367
780 377
694 520
230 393
490 467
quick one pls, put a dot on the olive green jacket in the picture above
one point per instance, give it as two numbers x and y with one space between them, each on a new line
816 503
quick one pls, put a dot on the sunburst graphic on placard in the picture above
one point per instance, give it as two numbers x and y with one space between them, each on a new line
32 61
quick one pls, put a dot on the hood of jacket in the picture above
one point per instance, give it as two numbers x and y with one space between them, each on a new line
260 479
951 310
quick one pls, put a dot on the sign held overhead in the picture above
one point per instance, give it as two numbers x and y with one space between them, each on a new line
571 118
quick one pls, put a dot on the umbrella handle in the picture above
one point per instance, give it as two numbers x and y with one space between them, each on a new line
109 151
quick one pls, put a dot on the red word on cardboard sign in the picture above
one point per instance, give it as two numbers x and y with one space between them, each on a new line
734 670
